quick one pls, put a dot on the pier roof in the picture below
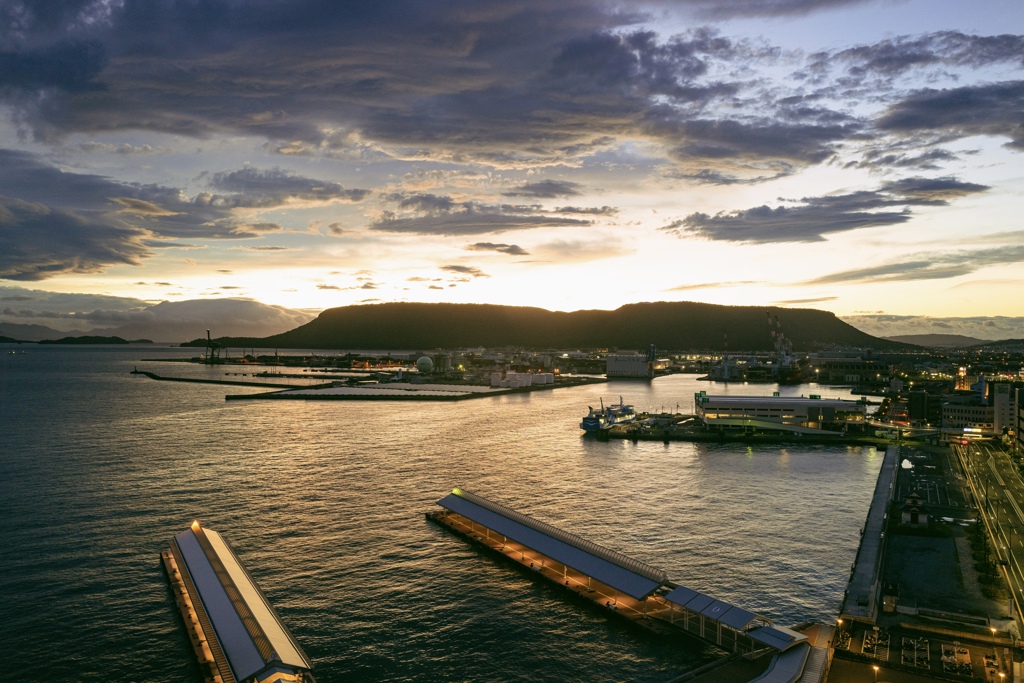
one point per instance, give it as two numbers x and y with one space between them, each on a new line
632 577
779 637
246 626
732 616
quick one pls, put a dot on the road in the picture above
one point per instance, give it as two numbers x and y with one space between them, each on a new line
998 490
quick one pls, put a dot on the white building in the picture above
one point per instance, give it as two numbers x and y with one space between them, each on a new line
798 415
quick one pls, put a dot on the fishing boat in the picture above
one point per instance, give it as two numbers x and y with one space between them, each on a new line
608 416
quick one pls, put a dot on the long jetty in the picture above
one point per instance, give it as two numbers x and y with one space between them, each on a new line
621 585
229 382
860 601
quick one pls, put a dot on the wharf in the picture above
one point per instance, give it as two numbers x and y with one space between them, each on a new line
405 391
634 432
632 590
860 601
228 382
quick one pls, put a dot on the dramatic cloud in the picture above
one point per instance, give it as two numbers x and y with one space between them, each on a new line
435 215
994 109
512 249
254 188
725 9
899 55
588 211
928 266
546 189
38 242
465 270
54 222
815 217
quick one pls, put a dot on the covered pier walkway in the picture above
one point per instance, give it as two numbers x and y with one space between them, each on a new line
633 589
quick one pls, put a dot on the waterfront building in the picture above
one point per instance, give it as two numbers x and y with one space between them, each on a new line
796 415
628 365
236 634
843 367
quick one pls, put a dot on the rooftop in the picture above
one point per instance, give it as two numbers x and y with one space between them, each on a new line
246 626
632 577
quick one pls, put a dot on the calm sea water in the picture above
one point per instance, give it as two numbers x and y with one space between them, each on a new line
324 503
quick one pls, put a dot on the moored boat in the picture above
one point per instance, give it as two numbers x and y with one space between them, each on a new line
608 417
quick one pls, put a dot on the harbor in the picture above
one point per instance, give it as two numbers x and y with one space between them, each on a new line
306 500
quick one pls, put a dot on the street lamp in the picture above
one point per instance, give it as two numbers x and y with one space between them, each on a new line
994 650
875 667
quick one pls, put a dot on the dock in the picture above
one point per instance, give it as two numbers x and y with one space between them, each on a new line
622 586
860 601
227 382
235 633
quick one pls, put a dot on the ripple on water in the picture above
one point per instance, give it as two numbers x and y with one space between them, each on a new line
324 504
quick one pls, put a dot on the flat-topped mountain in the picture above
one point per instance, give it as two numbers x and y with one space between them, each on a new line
667 325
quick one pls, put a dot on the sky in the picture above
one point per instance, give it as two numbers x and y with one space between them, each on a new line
863 158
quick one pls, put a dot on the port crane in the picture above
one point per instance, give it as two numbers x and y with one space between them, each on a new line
212 350
787 371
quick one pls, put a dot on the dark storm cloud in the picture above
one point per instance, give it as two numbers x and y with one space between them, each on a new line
507 85
429 214
546 189
67 66
530 83
587 211
465 270
430 203
727 9
54 222
928 266
896 56
512 249
764 143
894 158
255 188
38 242
995 109
815 217
471 222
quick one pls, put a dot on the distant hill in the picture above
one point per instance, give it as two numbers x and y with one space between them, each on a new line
938 340
88 340
8 340
33 332
1001 345
667 325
